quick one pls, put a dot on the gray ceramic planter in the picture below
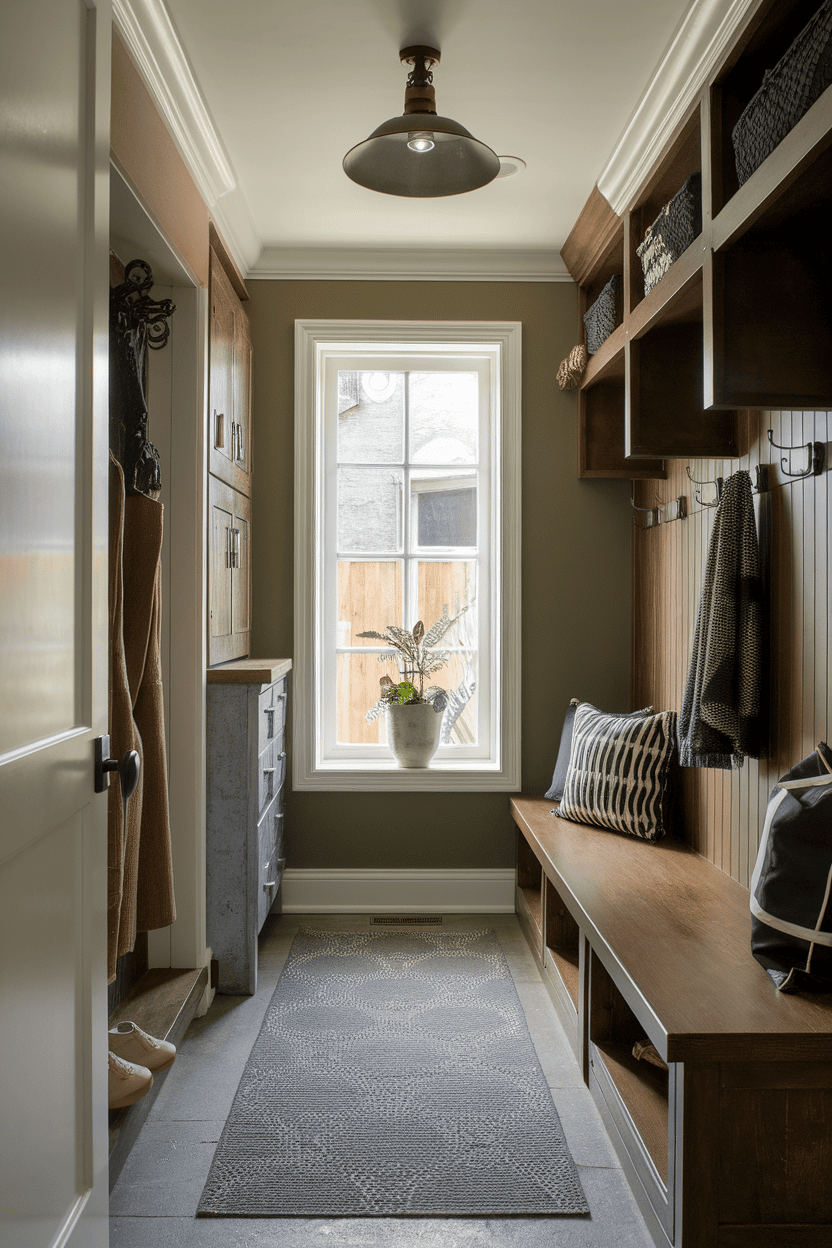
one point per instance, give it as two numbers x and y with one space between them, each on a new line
413 733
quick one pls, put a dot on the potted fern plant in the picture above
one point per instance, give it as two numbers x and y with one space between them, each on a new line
414 713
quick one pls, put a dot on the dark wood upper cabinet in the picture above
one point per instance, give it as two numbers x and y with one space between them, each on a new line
738 320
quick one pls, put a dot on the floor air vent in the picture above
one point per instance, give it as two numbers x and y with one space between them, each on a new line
407 920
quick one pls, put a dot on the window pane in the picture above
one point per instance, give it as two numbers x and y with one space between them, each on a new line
444 507
370 509
370 418
444 411
449 584
459 678
357 689
369 598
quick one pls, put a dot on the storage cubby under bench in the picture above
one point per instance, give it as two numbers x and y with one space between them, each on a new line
731 1145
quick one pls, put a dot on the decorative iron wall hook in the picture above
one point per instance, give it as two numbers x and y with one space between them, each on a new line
718 484
816 452
137 323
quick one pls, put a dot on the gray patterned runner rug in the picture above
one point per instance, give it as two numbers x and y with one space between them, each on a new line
394 1075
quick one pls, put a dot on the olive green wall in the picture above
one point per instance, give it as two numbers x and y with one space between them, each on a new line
576 565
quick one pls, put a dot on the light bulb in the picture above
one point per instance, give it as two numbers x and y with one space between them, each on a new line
422 141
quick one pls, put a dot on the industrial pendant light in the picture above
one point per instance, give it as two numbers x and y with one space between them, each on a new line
420 154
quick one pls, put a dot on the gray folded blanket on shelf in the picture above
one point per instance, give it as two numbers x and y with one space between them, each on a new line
722 717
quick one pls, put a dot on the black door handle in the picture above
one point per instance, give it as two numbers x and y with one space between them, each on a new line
128 768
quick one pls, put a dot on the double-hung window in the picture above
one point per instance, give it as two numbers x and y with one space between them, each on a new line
407 508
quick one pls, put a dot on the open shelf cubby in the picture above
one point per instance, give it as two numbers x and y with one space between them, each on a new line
770 299
529 895
769 34
641 1088
664 412
682 158
562 944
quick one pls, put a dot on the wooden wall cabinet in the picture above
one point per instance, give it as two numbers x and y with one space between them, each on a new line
229 572
229 398
736 321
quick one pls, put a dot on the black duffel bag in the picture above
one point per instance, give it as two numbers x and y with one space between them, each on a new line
791 889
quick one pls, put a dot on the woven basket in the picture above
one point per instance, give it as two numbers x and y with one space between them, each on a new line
673 231
572 368
788 91
604 314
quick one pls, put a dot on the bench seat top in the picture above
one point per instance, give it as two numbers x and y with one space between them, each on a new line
674 932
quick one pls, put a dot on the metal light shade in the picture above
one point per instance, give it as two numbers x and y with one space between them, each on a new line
419 154
457 162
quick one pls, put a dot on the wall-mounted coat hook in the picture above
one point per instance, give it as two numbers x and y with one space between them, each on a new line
815 450
651 514
718 484
760 485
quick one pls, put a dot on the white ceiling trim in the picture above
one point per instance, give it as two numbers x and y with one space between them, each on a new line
704 33
408 265
154 44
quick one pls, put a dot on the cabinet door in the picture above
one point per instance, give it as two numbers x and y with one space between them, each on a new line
230 384
241 572
242 401
221 374
229 581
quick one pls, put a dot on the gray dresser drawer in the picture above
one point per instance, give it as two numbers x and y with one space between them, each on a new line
271 859
271 714
271 772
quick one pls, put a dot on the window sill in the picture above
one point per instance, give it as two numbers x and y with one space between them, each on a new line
439 777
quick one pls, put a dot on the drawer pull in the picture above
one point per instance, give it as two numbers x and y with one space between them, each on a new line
281 756
270 883
268 772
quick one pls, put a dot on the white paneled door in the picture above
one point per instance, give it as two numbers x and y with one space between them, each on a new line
54 149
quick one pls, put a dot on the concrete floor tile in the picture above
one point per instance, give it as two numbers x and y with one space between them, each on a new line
553 1048
150 1232
201 1090
162 1178
588 1142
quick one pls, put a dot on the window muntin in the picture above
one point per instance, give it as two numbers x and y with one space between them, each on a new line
409 449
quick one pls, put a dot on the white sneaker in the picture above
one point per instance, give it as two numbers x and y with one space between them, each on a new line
128 1083
135 1045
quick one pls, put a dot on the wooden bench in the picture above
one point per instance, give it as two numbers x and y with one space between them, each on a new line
731 1145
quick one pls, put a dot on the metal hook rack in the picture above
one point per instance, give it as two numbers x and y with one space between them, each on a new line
759 486
816 452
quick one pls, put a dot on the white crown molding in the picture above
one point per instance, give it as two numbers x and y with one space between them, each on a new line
155 47
485 891
380 264
695 50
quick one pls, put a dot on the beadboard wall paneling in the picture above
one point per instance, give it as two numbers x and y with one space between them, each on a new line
723 811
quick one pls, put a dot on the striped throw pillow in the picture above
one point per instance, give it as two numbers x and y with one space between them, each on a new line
618 772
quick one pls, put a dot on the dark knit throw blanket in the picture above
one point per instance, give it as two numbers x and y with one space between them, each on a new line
721 721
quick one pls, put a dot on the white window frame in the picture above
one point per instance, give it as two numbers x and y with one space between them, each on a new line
316 342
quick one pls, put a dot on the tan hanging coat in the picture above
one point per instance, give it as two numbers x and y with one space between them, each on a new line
140 875
122 842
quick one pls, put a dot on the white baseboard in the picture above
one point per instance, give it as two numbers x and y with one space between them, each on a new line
310 891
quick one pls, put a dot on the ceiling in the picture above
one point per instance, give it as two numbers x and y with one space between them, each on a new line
291 86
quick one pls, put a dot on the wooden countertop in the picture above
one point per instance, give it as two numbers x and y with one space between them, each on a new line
674 932
249 672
